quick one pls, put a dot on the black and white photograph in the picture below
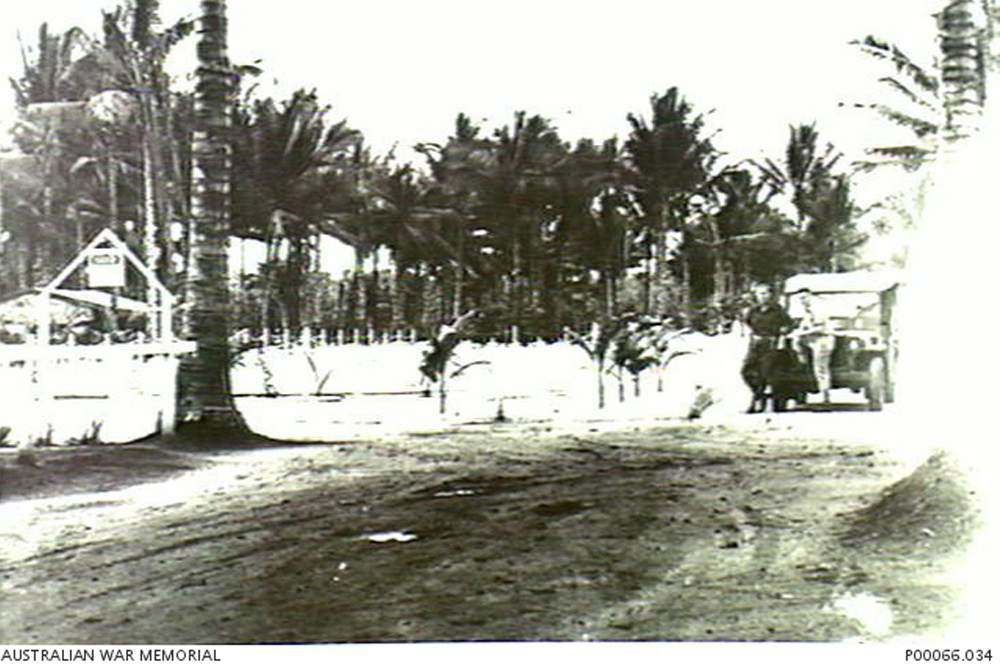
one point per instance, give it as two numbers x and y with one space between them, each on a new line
574 328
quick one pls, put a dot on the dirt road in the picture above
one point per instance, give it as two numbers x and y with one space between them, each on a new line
595 532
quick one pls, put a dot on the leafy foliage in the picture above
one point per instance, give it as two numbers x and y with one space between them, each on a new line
922 112
290 173
536 233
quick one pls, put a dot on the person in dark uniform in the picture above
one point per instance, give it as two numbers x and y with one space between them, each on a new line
768 322
769 318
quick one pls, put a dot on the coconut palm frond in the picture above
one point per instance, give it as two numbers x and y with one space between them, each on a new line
886 51
909 93
920 126
177 33
908 157
773 174
464 367
909 152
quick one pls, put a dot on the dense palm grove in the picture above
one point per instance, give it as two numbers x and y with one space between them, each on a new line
537 233
515 221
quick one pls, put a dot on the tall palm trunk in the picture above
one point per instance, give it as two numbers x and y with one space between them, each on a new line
7 278
720 272
206 397
963 42
653 224
176 247
112 191
372 296
158 208
150 246
609 291
50 155
358 313
458 276
144 75
647 278
516 280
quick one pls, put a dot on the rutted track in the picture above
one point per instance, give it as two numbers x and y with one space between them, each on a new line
670 532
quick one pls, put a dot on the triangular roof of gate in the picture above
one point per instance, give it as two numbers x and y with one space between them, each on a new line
108 237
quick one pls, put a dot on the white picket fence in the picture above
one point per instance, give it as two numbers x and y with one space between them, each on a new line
315 337
309 337
327 392
306 388
62 394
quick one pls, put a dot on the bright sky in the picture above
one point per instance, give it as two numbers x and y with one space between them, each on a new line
400 71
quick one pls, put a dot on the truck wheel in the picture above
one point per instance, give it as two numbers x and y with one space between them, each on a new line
876 389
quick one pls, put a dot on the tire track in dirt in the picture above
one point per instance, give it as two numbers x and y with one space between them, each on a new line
655 533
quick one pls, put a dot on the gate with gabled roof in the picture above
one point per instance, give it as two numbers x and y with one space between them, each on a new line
121 375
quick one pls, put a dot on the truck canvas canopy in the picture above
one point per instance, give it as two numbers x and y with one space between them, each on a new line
853 281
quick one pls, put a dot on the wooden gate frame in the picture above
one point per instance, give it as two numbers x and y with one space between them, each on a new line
161 308
161 301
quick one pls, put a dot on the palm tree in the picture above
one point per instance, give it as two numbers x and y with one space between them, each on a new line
206 399
104 173
119 92
806 169
939 101
458 169
599 344
669 162
291 173
401 210
42 188
831 237
50 74
508 184
735 227
131 60
595 215
51 101
515 188
922 113
825 228
420 230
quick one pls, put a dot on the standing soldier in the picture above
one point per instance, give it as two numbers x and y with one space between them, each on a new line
768 322
767 317
815 341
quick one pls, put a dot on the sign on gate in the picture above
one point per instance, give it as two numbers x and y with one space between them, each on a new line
105 267
154 360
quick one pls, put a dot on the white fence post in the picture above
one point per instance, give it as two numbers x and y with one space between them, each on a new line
41 367
168 393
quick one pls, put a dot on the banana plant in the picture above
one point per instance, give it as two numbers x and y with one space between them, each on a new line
435 363
598 344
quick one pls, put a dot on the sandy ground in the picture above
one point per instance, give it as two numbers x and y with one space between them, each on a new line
810 526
